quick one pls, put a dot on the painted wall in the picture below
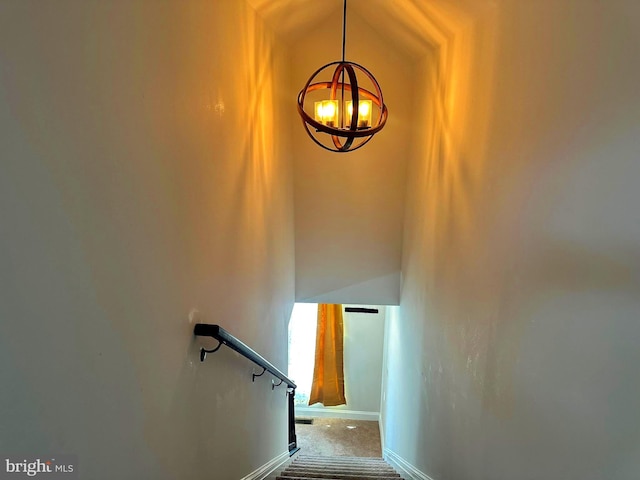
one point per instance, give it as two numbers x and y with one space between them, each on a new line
142 189
350 207
514 351
363 337
363 352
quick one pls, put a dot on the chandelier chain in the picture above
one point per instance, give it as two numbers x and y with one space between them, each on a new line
344 28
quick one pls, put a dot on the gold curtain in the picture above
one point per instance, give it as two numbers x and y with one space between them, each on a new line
328 373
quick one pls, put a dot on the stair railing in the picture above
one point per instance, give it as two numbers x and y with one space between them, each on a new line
225 338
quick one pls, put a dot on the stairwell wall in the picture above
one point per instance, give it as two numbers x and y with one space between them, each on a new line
144 187
513 351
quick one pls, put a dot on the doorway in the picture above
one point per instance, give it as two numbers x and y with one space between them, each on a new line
364 327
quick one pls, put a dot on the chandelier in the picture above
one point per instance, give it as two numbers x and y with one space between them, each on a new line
345 115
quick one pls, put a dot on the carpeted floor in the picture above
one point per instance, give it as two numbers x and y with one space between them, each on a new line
337 437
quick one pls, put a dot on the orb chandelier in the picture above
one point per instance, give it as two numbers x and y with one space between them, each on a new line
345 115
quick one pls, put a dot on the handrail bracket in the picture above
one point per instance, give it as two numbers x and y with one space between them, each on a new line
204 351
254 375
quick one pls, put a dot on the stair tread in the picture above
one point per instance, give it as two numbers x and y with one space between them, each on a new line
340 469
317 467
345 462
345 476
349 465
360 477
339 457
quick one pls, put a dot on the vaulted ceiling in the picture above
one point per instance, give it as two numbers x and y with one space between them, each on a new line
413 26
410 46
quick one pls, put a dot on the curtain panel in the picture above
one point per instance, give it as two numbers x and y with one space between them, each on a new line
328 373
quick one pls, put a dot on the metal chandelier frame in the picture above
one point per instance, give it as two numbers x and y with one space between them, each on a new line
349 135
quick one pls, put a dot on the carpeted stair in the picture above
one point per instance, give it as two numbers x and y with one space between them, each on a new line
307 467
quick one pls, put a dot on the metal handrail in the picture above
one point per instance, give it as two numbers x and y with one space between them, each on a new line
224 337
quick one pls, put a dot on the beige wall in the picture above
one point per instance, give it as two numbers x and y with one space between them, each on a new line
142 189
513 353
350 207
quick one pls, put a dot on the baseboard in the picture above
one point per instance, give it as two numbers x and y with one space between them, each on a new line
264 471
405 468
327 412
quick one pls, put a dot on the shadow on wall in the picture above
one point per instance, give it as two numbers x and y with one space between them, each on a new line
246 190
146 173
518 271
448 174
444 219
